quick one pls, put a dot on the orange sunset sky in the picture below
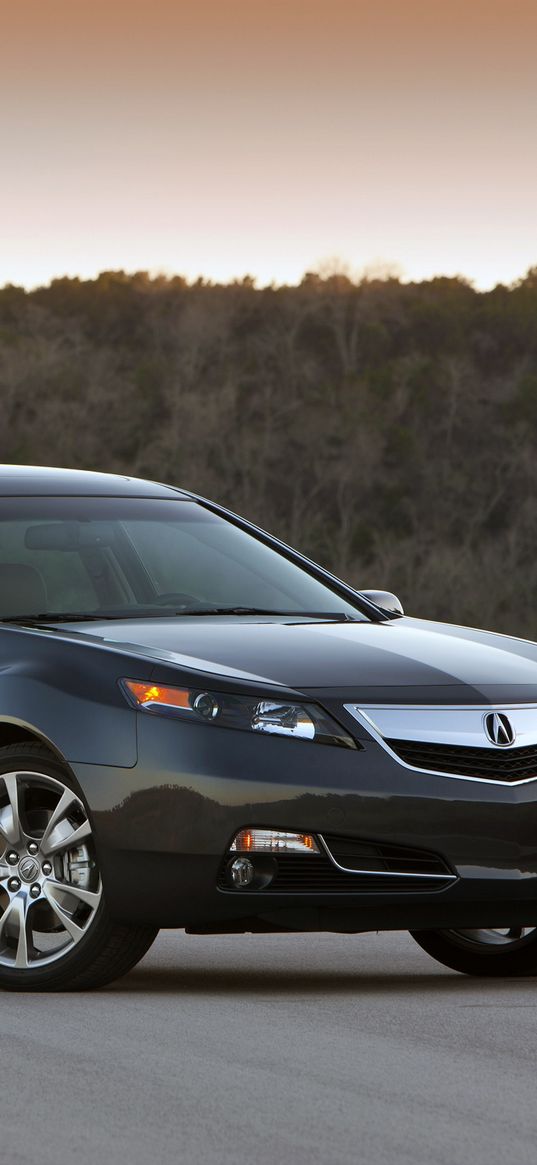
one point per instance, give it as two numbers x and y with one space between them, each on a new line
223 138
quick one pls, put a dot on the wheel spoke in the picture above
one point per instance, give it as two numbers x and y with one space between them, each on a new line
10 825
16 913
57 840
4 919
64 917
65 801
89 897
22 959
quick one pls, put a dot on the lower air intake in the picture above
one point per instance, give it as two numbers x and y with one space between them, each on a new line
367 870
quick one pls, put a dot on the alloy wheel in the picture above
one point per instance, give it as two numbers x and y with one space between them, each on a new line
50 887
512 937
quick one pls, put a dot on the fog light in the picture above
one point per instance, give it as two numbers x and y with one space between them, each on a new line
274 841
242 872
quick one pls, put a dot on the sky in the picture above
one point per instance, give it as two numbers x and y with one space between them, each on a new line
224 138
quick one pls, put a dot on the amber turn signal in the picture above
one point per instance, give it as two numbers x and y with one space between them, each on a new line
149 694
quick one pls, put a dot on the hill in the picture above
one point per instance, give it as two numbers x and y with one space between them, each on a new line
388 430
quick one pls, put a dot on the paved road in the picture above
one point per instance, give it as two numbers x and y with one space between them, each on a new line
271 1049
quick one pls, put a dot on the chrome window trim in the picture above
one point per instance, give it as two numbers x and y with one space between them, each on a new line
381 873
360 714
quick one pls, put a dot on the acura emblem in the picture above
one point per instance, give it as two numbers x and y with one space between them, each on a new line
499 729
28 869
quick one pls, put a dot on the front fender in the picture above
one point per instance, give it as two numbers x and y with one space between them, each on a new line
69 696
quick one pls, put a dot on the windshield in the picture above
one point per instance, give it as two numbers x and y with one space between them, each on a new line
125 557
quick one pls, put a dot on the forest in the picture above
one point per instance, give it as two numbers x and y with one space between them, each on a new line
386 429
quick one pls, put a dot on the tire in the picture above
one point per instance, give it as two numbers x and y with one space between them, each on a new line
55 930
487 953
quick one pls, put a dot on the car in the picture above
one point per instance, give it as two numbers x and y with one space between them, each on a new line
202 729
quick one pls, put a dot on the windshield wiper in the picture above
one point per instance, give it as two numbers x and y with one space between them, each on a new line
63 617
162 613
329 616
51 618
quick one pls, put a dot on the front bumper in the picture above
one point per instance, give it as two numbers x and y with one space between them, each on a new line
164 826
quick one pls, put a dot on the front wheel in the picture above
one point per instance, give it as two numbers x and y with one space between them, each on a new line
55 930
490 953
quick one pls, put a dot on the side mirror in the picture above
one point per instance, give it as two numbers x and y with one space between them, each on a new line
385 600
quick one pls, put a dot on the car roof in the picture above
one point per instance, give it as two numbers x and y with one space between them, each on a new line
45 481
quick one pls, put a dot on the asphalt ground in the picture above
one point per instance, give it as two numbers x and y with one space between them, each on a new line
273 1049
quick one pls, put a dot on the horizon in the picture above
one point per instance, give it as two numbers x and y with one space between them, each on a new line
355 278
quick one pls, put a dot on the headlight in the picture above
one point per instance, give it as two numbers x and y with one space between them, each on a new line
271 716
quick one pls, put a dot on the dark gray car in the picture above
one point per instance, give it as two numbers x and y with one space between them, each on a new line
200 728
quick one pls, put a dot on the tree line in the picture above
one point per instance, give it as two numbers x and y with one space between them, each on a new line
386 429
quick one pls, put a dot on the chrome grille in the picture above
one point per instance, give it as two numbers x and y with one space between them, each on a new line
456 740
514 764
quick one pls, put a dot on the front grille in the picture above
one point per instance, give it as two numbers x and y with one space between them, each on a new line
376 856
513 764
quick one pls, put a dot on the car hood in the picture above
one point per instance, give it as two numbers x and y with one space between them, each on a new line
431 661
